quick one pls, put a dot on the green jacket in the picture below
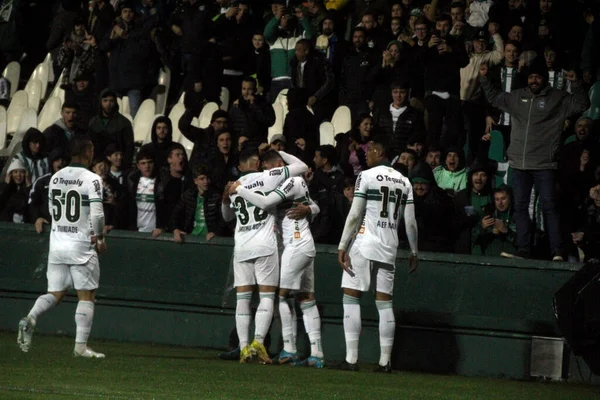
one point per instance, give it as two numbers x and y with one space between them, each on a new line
455 181
283 47
485 242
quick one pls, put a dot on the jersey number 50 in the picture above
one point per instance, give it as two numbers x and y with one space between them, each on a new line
72 205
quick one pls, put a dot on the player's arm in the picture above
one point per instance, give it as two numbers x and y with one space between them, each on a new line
97 213
412 232
314 208
295 166
353 221
227 212
261 201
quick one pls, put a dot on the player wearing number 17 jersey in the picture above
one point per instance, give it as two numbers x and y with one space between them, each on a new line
255 256
76 207
382 196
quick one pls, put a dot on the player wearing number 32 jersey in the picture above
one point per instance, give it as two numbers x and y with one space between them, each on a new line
255 255
75 202
382 197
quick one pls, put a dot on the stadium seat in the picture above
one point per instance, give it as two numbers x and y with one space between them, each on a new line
282 99
309 108
12 73
142 123
28 120
189 146
17 106
326 134
164 80
206 114
41 73
49 63
496 153
120 104
224 99
181 98
594 111
34 93
196 122
50 113
125 109
277 127
175 114
2 127
58 91
129 117
342 120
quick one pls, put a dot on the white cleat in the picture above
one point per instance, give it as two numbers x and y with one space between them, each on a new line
26 329
88 353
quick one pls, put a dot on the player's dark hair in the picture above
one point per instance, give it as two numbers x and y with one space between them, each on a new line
247 154
79 145
328 151
271 156
144 154
383 144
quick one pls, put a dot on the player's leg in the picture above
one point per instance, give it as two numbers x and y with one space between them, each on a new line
245 284
384 278
287 311
267 277
86 278
310 313
59 280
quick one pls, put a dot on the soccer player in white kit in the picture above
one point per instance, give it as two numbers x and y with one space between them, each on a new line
255 255
297 269
75 202
382 196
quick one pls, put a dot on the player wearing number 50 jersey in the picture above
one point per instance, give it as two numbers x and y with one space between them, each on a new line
297 269
255 257
382 196
75 202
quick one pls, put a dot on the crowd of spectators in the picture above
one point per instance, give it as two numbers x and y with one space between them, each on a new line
484 103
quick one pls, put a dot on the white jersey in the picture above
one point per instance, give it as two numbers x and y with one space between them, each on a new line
386 191
255 229
296 233
146 206
70 193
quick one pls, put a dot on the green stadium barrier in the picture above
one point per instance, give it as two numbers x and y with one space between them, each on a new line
457 314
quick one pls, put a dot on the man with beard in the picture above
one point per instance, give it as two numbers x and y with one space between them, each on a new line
162 139
538 115
331 45
111 127
59 134
251 115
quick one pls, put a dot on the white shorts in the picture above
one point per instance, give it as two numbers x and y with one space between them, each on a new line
81 276
258 271
297 271
366 271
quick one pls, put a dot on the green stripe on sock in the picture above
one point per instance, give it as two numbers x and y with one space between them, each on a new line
382 305
350 300
244 295
308 304
267 296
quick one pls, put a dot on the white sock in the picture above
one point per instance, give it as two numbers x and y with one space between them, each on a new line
285 313
264 315
312 324
242 317
294 322
387 328
42 304
352 325
84 316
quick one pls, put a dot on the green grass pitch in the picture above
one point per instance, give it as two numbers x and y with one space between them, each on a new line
145 371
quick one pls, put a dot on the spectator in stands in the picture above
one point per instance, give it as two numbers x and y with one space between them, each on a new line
141 196
39 212
461 30
198 213
474 104
408 159
162 139
282 33
434 211
100 22
224 160
352 146
312 72
301 128
452 174
364 6
204 139
473 208
59 134
417 56
129 46
357 78
11 35
376 38
326 187
556 74
497 232
538 114
251 115
114 158
191 24
443 61
316 13
62 25
77 54
171 182
399 120
260 64
113 195
395 67
14 194
432 158
109 126
331 45
34 154
588 234
82 93
416 143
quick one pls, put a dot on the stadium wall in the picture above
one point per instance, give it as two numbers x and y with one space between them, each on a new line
456 314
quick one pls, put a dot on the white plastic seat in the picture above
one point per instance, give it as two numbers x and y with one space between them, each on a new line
58 91
2 127
34 93
342 120
175 115
164 80
120 104
283 100
129 117
28 120
142 123
12 73
206 114
41 73
50 113
181 98
49 63
187 144
17 106
224 97
326 134
277 127
125 109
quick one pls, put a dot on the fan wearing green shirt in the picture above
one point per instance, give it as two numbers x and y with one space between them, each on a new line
198 211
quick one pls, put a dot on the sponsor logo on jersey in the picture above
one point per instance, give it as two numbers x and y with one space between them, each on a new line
255 185
70 182
379 178
97 188
288 187
276 172
357 185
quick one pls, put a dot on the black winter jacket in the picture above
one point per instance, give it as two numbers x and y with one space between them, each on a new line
409 123
185 213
